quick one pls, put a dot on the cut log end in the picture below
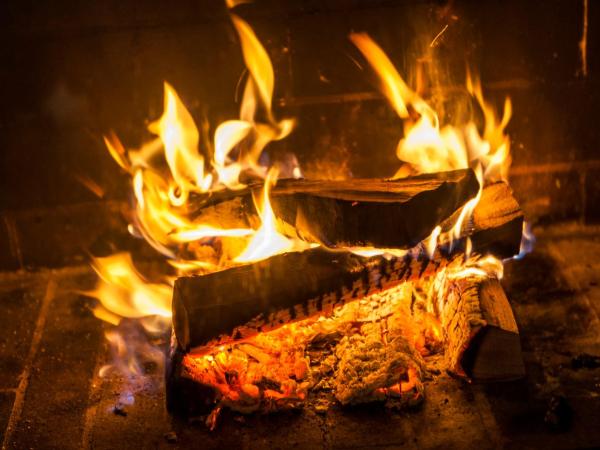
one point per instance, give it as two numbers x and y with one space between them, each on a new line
482 338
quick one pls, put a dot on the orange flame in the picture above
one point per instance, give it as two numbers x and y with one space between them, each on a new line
427 148
172 168
123 292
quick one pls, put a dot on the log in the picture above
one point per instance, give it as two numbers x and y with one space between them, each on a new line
481 334
243 301
357 212
289 287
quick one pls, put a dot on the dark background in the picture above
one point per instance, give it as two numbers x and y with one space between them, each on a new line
71 71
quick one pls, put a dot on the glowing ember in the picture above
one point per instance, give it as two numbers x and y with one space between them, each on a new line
274 370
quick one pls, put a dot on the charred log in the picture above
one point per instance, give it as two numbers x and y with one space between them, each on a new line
357 212
243 301
497 222
482 338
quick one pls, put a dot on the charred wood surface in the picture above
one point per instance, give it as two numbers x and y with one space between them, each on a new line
482 338
365 353
246 300
356 212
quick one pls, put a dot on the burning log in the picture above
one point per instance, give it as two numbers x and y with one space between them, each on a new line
245 359
482 338
294 286
246 300
349 213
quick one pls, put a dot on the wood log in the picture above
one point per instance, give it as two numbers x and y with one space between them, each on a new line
481 334
290 286
246 300
357 212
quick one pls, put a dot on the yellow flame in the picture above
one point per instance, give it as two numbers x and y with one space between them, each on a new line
258 92
485 267
172 166
123 292
433 240
180 138
227 136
369 252
393 86
425 147
257 60
267 241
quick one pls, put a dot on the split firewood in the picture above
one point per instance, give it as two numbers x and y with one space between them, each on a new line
349 213
481 335
496 224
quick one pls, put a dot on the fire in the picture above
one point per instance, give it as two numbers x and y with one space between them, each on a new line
237 371
267 241
426 147
176 168
180 137
171 170
123 292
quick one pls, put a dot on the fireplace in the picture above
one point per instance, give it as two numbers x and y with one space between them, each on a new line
296 224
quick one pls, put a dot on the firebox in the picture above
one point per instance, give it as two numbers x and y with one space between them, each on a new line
266 224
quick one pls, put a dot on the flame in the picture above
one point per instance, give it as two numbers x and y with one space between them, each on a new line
486 267
176 166
227 136
426 147
166 172
527 241
267 241
180 138
433 240
258 93
123 292
169 168
369 252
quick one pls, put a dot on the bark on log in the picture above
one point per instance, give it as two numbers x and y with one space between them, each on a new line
356 212
291 286
482 338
